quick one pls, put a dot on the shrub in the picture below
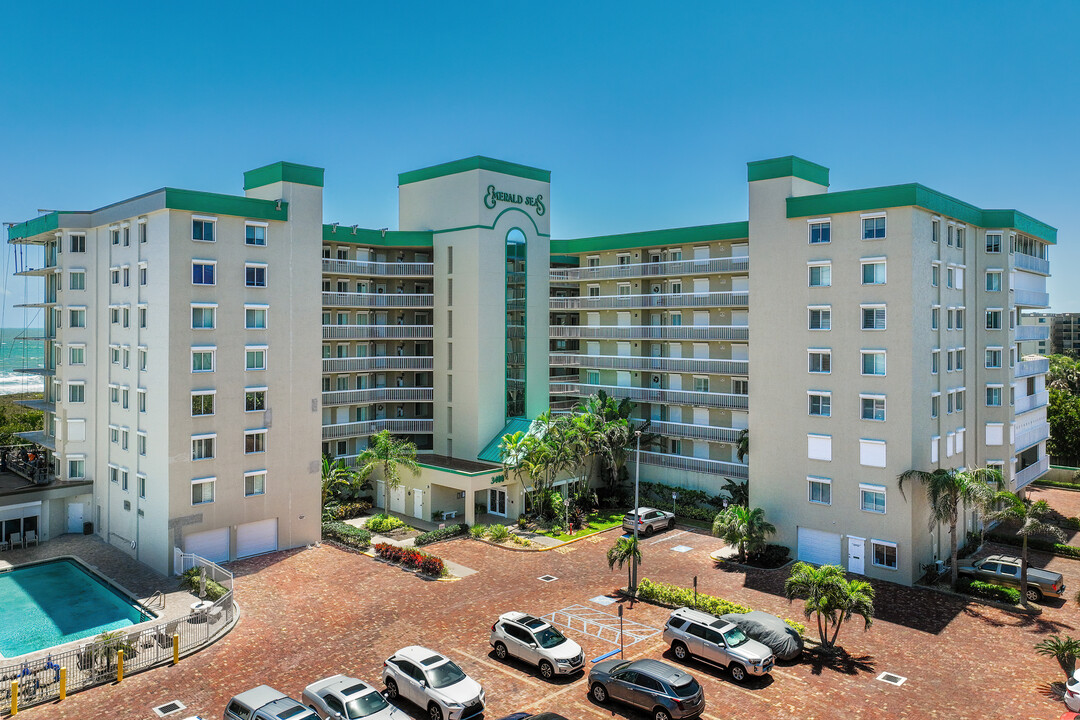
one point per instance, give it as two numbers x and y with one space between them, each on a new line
478 531
773 556
1068 485
431 565
384 523
675 596
411 558
523 522
346 534
498 533
214 589
988 591
518 540
440 534
346 510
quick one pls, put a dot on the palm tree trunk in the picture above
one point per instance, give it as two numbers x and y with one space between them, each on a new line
954 576
839 622
822 632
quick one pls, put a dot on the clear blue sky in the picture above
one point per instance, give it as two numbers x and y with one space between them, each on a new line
645 116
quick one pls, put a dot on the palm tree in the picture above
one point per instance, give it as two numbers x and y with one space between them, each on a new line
831 597
626 551
1063 649
388 452
945 490
337 476
742 449
738 492
738 525
1031 517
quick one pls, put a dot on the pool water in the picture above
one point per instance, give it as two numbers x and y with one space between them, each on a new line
56 602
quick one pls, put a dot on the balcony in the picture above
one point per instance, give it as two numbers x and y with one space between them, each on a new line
692 464
653 364
377 300
366 364
1031 264
695 432
728 401
650 332
652 300
370 427
38 437
1031 298
658 269
372 395
1025 476
376 332
1032 332
37 272
42 405
377 269
1031 402
1032 435
1034 366
43 371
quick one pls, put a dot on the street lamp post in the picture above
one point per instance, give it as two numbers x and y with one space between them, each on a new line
674 497
637 507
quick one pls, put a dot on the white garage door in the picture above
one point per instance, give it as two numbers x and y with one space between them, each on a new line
819 547
256 537
212 544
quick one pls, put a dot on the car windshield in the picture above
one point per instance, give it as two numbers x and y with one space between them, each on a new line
365 705
688 689
735 637
549 637
445 675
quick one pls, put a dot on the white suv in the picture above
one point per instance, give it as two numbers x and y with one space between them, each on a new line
432 681
536 642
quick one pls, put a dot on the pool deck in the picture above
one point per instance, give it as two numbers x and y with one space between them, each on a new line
134 577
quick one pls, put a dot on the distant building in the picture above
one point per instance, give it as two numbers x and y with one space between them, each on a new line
1033 333
1065 336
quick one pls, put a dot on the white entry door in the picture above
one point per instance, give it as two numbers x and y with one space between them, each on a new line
397 499
75 518
497 501
418 504
856 554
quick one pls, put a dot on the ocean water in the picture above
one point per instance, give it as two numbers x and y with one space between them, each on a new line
16 351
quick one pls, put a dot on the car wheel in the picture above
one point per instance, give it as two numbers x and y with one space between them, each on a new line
661 714
391 689
547 670
500 651
1033 594
599 693
434 711
680 651
738 672
648 530
671 524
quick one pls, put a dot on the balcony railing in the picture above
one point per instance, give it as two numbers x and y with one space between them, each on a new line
729 401
692 464
1029 436
1031 298
39 437
1032 332
650 332
1031 263
652 300
378 269
376 332
695 432
653 364
370 427
1026 368
372 395
1025 476
657 269
377 300
385 362
1031 402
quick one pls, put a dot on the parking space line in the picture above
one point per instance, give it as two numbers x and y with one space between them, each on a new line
666 537
503 669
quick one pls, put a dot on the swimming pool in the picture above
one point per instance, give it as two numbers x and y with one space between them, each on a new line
58 601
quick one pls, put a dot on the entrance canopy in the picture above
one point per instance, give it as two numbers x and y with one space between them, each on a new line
491 452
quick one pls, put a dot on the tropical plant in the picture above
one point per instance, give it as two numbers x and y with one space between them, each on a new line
1063 649
478 531
384 523
498 533
338 481
104 649
946 490
742 447
830 597
738 492
390 454
743 527
626 551
1031 517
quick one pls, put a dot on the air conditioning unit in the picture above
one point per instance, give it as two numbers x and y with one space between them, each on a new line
657 288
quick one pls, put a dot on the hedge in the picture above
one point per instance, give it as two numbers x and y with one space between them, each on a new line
346 510
440 534
346 534
411 558
989 591
1057 483
676 596
1036 544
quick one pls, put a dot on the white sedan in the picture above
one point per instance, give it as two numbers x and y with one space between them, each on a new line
434 682
340 697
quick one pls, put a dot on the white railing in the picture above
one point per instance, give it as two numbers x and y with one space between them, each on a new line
370 427
1029 262
376 332
1023 439
728 401
692 464
381 269
651 300
377 300
383 394
1025 476
1035 366
1033 332
1031 298
1031 402
652 364
650 332
695 432
657 269
383 362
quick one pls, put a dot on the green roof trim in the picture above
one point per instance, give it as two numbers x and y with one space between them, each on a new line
787 166
491 452
653 238
377 238
283 172
452 471
215 204
914 194
37 226
566 260
479 162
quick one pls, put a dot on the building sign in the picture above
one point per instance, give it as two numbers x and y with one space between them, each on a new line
496 479
495 197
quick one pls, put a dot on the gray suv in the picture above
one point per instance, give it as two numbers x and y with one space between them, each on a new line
663 690
699 634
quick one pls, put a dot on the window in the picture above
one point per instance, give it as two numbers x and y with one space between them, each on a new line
873 317
114 236
254 441
873 273
76 469
77 317
254 317
820 404
950 235
820 318
255 235
76 392
935 275
993 319
959 400
142 233
77 243
114 434
142 400
935 361
114 393
819 232
950 274
740 387
124 483
873 407
142 359
960 359
935 404
960 234
140 479
202 403
114 474
202 491
993 395
255 358
202 272
254 275
935 231
142 274
127 316
993 242
254 483
960 318
820 275
202 317
873 228
202 447
701 384
254 399
820 361
140 441
124 396
819 447
77 280
127 276
202 229
873 498
819 490
873 362
884 554
993 281
935 317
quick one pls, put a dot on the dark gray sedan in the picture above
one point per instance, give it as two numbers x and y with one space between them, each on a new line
664 691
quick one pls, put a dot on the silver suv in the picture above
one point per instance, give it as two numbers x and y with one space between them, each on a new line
649 520
705 636
536 642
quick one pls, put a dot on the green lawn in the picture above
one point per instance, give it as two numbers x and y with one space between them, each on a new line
597 521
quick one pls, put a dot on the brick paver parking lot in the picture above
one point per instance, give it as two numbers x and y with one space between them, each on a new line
311 613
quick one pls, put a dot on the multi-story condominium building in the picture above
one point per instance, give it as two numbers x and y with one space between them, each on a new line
1033 333
1065 335
878 333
